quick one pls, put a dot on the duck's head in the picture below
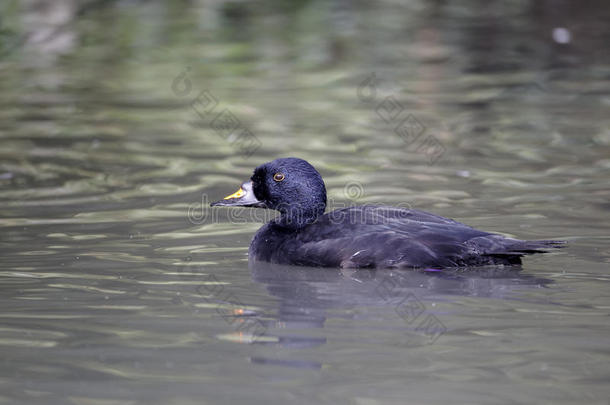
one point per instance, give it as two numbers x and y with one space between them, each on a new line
289 185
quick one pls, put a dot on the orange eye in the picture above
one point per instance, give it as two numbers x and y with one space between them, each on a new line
278 177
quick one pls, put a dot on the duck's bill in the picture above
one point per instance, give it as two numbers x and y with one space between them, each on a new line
244 197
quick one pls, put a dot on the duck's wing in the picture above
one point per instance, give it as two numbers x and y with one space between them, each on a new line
372 236
380 236
375 249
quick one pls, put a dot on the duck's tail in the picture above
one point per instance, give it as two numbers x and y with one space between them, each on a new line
499 246
535 246
502 250
525 247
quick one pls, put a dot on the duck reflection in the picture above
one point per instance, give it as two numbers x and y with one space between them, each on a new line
307 296
307 288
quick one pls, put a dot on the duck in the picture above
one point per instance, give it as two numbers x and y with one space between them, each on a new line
365 236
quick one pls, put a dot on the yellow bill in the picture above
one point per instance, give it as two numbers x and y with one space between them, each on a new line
244 197
239 193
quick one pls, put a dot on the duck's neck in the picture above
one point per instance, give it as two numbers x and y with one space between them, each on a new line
297 217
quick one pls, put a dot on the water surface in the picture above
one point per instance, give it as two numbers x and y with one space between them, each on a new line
120 285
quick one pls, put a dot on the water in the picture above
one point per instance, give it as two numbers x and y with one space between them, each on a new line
120 285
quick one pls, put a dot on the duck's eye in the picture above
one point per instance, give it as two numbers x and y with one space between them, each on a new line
278 177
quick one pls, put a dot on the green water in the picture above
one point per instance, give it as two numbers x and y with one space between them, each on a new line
121 121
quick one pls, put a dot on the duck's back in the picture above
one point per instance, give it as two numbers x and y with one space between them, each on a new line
382 236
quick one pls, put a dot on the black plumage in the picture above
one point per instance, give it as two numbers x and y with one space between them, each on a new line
363 236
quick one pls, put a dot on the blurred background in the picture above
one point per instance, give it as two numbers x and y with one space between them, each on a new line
122 120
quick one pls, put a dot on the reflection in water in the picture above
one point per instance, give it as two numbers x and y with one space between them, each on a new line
306 295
